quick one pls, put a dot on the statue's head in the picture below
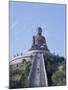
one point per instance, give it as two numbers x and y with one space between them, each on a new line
39 30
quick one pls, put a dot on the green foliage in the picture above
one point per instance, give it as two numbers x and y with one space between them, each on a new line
50 68
58 78
19 74
23 80
52 64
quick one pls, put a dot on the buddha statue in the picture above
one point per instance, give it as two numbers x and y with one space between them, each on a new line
39 42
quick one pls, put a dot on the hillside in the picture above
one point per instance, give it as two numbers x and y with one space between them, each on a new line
55 67
19 74
56 70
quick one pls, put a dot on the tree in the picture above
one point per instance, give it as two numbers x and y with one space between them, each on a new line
58 78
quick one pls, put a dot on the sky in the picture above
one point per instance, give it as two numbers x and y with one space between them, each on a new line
26 17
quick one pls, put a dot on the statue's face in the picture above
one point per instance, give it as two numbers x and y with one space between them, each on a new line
39 30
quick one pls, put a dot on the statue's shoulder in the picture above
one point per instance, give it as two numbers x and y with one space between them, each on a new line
33 36
43 37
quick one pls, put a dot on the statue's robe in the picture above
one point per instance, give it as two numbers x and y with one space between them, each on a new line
39 42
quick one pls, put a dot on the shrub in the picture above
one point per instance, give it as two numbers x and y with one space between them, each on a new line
58 78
